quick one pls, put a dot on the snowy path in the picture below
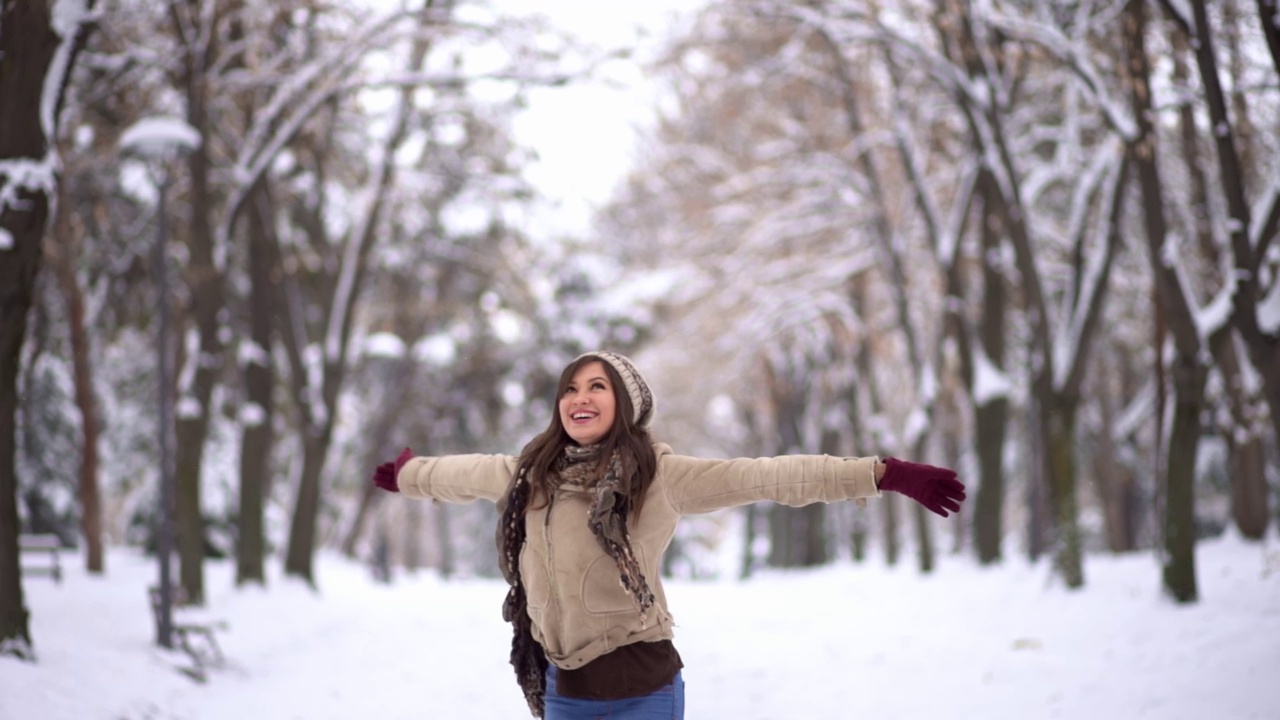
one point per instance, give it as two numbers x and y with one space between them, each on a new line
844 642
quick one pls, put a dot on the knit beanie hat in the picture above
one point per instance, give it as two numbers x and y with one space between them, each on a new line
634 383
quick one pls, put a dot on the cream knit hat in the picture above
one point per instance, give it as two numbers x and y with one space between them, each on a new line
636 387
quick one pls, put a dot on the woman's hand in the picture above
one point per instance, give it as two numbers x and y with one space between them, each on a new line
936 488
384 476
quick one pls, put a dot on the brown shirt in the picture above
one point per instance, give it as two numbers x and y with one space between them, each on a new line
630 671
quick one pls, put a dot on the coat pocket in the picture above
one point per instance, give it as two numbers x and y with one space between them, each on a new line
602 590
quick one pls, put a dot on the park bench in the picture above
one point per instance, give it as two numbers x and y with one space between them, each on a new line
195 638
45 547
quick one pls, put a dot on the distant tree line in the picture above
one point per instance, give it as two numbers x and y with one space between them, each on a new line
1032 240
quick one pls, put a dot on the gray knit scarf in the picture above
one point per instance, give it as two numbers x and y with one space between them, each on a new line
607 519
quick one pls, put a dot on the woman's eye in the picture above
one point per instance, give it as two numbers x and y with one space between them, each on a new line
597 386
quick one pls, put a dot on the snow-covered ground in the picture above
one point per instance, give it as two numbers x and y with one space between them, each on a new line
842 642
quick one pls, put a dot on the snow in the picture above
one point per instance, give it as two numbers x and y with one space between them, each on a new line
989 382
507 326
25 173
1262 210
343 294
159 137
439 350
65 20
189 408
842 641
252 415
384 345
251 353
1269 311
1217 313
915 426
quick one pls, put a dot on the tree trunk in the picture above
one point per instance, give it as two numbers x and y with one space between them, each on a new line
889 528
1249 490
748 541
257 431
990 418
1114 482
780 536
1247 456
413 537
1059 423
302 531
368 494
815 535
381 436
924 538
1037 529
988 512
62 258
858 538
34 65
1179 527
17 279
447 560
1188 372
340 315
205 287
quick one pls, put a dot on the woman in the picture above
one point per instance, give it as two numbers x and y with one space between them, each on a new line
589 507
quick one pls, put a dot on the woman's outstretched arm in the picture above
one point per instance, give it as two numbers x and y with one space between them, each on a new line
698 485
450 478
695 485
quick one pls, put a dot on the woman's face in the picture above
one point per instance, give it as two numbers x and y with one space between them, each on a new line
588 406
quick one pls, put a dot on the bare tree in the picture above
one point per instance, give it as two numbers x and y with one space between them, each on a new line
1189 373
39 43
63 254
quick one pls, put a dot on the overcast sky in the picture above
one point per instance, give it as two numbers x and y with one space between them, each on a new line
584 133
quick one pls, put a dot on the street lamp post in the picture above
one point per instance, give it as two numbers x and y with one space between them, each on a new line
160 140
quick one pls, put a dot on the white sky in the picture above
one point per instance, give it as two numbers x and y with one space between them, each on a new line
584 133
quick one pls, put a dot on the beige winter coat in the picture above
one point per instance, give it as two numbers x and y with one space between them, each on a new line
576 601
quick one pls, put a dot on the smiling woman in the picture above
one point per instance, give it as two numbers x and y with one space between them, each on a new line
592 633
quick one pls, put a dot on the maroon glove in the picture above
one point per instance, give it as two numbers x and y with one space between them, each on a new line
935 488
384 476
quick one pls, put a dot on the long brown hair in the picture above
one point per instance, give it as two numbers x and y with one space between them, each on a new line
632 442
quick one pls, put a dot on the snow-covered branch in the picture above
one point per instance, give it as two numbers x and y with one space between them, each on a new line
1265 222
1078 59
293 103
1075 328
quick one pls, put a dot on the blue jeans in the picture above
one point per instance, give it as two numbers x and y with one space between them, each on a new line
665 703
